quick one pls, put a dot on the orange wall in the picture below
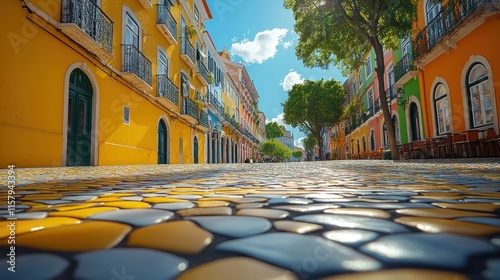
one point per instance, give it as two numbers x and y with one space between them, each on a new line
450 67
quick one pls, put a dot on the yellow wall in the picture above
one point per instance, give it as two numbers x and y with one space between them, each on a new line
33 75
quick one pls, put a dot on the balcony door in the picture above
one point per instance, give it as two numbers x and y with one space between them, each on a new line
434 25
79 120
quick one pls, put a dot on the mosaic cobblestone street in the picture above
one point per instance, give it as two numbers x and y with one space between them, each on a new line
330 220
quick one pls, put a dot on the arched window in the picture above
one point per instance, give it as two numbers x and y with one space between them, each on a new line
372 140
442 110
357 146
364 143
395 127
479 96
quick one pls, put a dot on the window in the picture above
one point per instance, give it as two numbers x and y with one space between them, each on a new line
357 146
434 27
442 110
392 80
368 67
370 102
162 63
395 127
126 115
196 14
432 10
479 96
364 143
406 46
131 31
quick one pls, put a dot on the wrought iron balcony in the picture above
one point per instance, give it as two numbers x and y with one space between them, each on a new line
390 92
203 119
378 106
189 108
187 52
166 23
87 24
137 64
404 67
449 19
202 73
167 89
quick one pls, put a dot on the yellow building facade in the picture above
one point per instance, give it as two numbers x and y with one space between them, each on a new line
105 82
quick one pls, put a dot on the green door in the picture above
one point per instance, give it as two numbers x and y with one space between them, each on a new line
195 148
79 120
162 143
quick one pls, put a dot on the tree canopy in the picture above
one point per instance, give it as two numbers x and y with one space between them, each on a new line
276 149
297 154
314 106
341 32
273 130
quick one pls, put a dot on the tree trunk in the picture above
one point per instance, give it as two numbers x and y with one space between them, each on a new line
380 69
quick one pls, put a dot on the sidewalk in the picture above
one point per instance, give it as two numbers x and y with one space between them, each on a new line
424 219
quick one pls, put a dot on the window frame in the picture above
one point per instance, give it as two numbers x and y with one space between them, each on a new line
446 114
480 82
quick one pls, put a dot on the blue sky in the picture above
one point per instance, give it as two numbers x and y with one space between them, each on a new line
259 34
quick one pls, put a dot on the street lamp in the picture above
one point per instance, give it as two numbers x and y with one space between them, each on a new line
401 99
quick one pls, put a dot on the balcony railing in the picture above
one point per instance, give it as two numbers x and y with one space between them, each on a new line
165 18
201 69
135 62
187 49
203 119
167 89
404 66
378 106
91 19
444 23
188 107
390 92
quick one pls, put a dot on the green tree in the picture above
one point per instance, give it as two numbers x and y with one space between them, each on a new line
274 148
273 130
341 31
314 106
297 154
309 143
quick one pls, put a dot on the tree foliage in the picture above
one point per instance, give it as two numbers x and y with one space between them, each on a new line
314 106
297 154
274 148
340 32
273 130
309 142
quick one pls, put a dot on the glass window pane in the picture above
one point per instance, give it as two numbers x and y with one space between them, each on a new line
82 117
487 102
70 113
477 73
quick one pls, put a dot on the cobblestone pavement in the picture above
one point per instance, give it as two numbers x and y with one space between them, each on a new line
322 220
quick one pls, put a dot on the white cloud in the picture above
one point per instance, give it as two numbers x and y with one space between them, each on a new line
278 119
299 142
291 79
263 47
287 44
